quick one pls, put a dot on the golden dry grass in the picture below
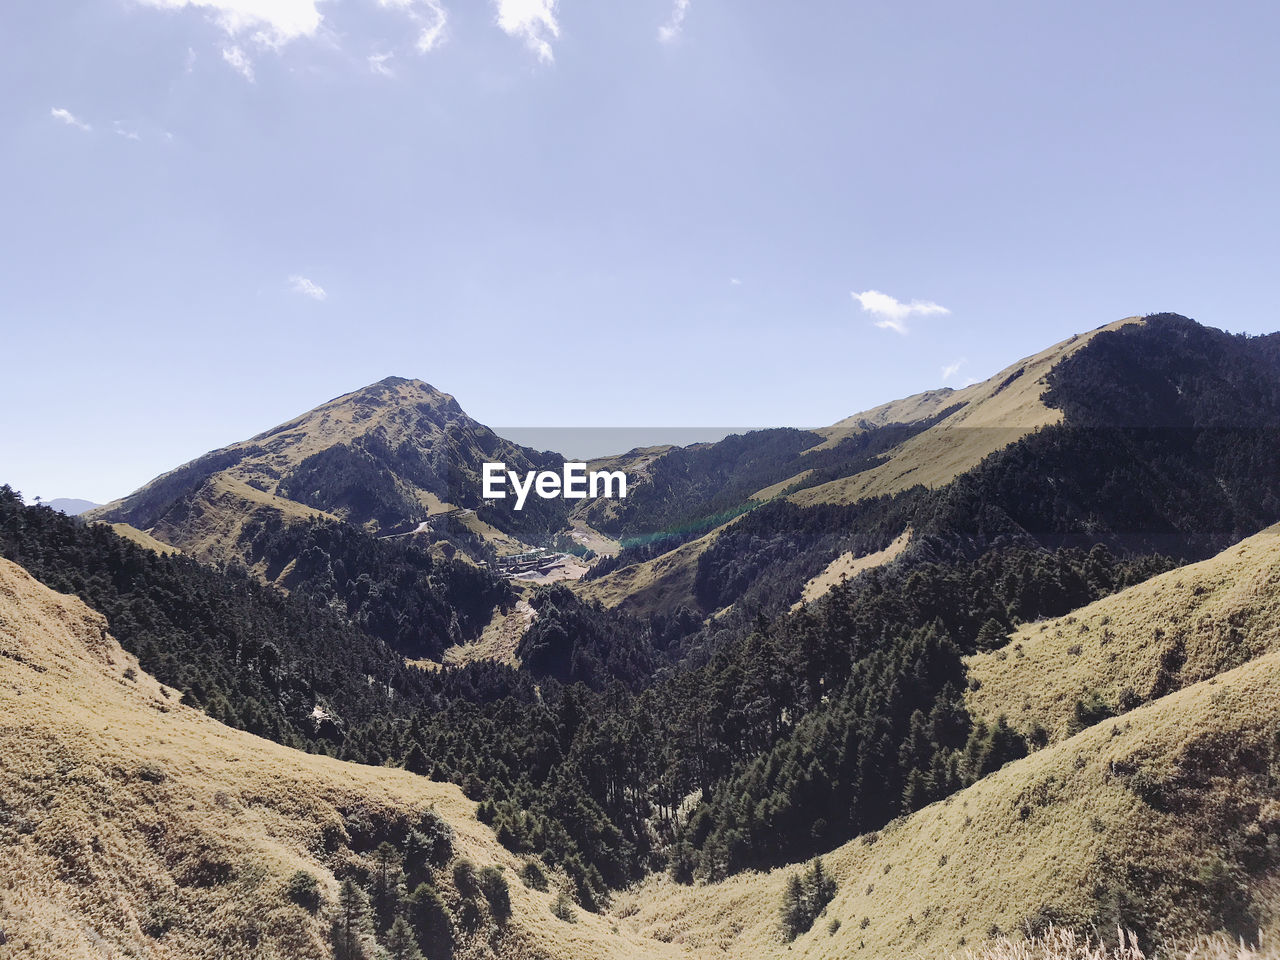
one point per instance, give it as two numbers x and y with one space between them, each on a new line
212 526
1212 615
998 412
593 539
505 544
1038 834
662 583
920 406
847 566
122 812
1059 943
773 491
143 539
115 802
498 641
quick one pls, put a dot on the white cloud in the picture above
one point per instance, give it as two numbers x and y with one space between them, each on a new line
239 62
69 118
430 15
671 30
735 282
951 369
893 313
300 284
122 132
189 64
271 22
533 21
378 64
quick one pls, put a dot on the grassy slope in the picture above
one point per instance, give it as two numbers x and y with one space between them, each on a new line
143 539
1040 833
117 804
256 468
212 526
1219 613
848 566
662 583
998 412
78 803
920 406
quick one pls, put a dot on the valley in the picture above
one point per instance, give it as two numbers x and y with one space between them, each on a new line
1002 657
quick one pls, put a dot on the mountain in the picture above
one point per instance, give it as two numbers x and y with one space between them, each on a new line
1147 435
71 506
1035 687
387 457
173 833
925 439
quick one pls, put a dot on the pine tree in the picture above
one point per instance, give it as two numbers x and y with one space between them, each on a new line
431 921
401 944
794 910
345 931
416 761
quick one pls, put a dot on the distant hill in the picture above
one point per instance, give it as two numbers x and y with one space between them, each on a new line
70 506
387 457
927 439
1151 436
803 650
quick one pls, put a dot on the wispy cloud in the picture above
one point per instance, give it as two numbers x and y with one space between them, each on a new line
378 63
431 17
951 369
239 61
300 284
893 313
533 21
269 22
69 118
671 30
735 281
189 64
122 132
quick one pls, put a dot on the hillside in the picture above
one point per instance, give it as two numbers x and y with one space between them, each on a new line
1176 629
924 440
134 825
216 523
387 457
1164 441
994 414
1161 822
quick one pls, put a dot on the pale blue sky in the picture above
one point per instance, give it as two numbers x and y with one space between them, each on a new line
659 211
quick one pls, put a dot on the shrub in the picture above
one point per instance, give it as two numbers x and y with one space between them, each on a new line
151 772
805 897
464 878
533 877
304 890
493 884
562 909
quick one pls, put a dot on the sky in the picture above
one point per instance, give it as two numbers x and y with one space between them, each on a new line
576 213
